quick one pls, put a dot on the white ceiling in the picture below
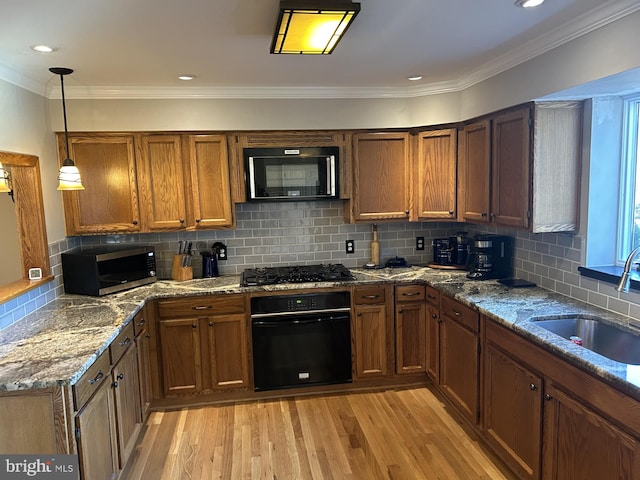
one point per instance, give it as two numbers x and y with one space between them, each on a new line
137 48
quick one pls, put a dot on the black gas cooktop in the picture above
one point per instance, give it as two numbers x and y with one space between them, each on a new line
335 272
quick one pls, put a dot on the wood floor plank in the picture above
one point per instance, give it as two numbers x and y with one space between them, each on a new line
392 434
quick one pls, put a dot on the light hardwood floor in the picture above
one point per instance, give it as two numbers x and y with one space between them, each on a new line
392 434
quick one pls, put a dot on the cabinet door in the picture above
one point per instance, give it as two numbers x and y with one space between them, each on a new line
475 171
228 351
436 174
210 188
180 356
161 183
459 366
109 203
126 388
96 434
370 333
381 176
582 445
433 342
512 412
411 338
143 344
511 159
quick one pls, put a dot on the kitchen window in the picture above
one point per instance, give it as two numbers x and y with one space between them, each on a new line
628 235
613 213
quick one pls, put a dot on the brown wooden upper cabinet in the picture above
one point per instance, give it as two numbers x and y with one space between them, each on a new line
381 177
148 183
435 174
109 203
161 180
521 167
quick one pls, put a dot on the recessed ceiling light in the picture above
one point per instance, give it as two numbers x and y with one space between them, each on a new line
414 78
187 77
43 48
528 3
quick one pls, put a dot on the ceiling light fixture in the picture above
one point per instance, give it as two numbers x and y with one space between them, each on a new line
69 176
528 3
186 77
42 48
312 27
414 78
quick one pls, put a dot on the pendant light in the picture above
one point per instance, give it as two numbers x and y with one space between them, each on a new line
69 176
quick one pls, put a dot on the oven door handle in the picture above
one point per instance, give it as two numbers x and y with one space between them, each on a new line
280 323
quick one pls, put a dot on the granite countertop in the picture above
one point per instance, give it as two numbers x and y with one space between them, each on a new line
56 344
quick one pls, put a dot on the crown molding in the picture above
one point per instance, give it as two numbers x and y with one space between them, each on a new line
11 76
579 26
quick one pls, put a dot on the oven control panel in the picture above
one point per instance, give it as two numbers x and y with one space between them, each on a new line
274 304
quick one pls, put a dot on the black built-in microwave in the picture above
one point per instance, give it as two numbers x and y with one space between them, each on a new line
100 270
292 173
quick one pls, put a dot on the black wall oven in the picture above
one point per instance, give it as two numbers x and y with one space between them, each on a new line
301 340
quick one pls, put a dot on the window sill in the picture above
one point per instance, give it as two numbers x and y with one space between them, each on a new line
610 274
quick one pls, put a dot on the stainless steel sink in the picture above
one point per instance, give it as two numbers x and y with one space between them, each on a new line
605 339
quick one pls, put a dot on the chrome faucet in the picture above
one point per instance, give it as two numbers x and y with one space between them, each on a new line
623 284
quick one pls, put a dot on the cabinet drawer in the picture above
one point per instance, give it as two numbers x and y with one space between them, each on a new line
201 306
91 380
369 295
433 296
121 343
461 313
410 293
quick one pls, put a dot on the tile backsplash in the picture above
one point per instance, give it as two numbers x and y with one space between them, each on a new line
269 234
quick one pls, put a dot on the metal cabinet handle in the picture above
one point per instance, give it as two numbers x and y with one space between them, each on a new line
456 313
483 214
135 222
434 316
492 215
211 324
533 386
97 378
548 397
202 307
120 376
194 325
125 342
439 320
198 220
141 322
115 384
406 212
371 297
450 212
410 294
359 314
181 220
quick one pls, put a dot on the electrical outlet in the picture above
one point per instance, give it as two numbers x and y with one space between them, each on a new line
419 243
222 253
350 246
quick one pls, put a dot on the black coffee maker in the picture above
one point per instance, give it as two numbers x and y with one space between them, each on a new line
491 257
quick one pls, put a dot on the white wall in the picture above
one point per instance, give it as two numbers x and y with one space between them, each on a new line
25 128
609 50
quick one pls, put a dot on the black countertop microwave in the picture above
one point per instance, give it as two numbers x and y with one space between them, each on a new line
100 270
291 173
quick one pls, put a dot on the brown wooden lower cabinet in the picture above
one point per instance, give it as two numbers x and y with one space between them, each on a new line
411 329
459 357
512 416
547 419
582 445
203 344
372 336
97 435
433 334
